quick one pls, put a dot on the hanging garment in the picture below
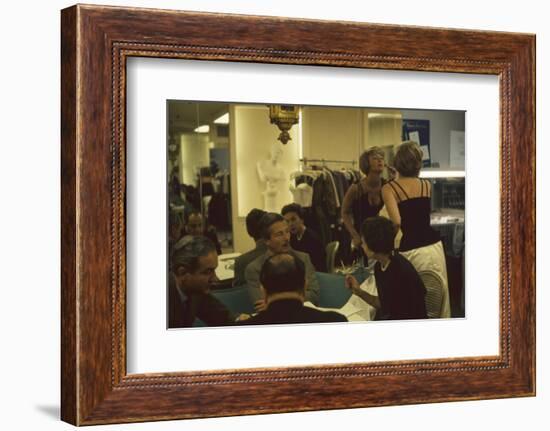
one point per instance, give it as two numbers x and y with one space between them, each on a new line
302 195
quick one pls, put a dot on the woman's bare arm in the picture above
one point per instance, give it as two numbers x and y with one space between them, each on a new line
390 201
347 214
352 284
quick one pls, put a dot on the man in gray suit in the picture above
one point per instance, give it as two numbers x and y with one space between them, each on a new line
275 232
252 227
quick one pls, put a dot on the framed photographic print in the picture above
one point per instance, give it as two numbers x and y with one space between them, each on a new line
172 134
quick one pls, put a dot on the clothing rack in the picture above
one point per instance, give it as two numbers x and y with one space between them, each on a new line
305 160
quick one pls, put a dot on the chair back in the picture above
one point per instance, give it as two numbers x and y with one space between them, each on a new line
333 292
331 249
236 299
434 293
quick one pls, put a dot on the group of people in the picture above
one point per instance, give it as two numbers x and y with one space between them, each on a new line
279 278
407 200
279 272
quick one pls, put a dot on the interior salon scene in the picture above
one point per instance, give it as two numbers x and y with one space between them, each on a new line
287 214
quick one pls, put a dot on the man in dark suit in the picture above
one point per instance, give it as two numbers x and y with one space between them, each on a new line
283 281
304 239
241 262
275 232
192 275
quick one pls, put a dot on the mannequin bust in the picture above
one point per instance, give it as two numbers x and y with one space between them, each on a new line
273 175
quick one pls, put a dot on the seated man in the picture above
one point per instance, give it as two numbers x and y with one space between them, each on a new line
193 264
241 262
400 289
274 231
303 239
283 284
194 225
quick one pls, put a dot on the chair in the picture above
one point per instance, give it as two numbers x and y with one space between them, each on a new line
236 299
331 250
333 292
434 293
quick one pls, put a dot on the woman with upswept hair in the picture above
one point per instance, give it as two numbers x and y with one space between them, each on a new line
364 199
408 202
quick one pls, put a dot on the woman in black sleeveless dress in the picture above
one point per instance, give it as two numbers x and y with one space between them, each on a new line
408 202
364 199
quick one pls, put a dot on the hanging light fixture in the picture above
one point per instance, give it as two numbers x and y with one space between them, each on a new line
284 116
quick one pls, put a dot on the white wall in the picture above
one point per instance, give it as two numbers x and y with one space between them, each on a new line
30 221
343 133
194 152
332 133
251 138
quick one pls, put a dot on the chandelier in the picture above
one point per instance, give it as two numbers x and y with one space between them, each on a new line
284 116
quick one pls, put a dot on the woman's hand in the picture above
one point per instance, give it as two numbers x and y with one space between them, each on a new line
260 305
352 284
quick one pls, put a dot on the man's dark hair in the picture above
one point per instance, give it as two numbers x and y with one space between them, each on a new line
252 222
379 234
283 272
293 208
267 220
188 250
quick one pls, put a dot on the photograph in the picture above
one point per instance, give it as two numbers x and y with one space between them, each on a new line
293 214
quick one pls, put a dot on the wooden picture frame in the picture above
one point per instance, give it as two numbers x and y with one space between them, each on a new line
96 41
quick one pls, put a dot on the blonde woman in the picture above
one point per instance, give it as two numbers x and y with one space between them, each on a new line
408 202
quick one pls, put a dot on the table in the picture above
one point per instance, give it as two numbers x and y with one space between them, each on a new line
226 266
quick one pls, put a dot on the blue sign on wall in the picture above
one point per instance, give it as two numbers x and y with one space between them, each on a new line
419 132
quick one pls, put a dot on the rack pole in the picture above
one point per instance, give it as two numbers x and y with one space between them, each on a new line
305 160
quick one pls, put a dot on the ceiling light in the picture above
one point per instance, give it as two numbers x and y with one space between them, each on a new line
222 119
383 115
203 129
